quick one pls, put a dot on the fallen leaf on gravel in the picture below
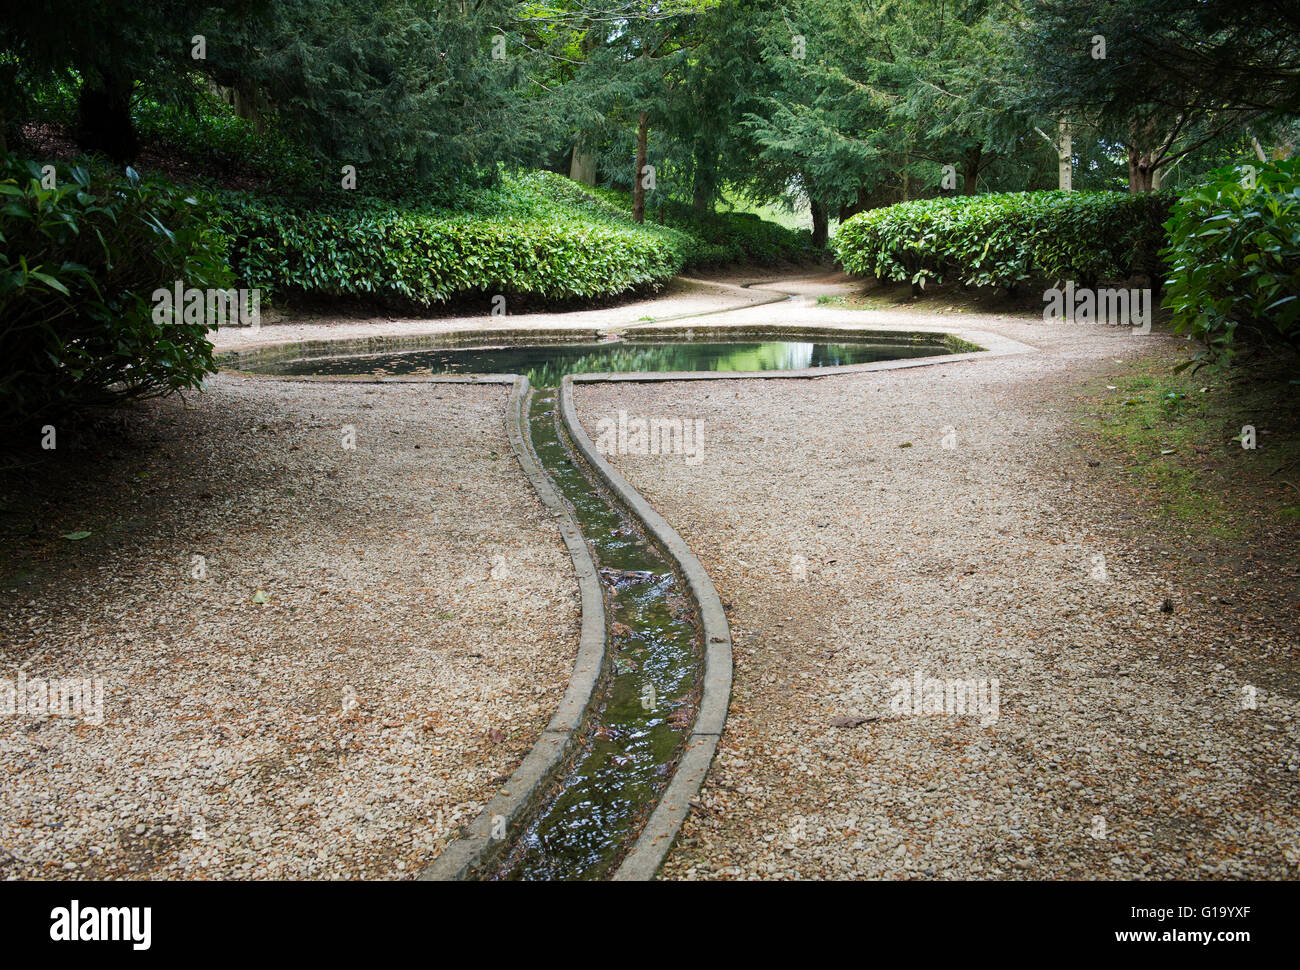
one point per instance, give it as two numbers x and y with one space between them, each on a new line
74 536
261 597
496 735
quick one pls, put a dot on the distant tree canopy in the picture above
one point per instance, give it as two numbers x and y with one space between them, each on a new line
845 104
403 84
1164 78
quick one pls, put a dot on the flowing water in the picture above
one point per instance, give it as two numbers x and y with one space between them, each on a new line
645 704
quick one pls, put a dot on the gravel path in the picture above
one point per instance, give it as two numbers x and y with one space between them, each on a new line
420 625
397 671
855 552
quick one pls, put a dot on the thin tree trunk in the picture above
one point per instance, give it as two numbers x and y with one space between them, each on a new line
1064 156
821 224
638 185
971 169
1064 148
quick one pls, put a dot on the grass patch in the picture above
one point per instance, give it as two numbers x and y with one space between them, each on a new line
1179 438
770 212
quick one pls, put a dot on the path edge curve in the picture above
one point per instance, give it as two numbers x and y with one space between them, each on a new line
477 846
651 847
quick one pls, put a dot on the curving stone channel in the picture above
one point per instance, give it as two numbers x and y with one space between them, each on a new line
606 788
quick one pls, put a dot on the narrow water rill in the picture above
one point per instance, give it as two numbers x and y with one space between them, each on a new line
645 704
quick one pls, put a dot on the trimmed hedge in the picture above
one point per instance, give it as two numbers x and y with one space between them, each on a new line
531 236
79 264
1234 253
539 234
1008 238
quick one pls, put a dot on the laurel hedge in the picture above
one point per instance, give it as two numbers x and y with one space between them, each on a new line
538 234
1234 256
1006 239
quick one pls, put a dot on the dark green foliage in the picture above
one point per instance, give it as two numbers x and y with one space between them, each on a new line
406 88
1180 83
1234 256
518 239
78 267
113 50
1008 238
211 134
538 234
1167 56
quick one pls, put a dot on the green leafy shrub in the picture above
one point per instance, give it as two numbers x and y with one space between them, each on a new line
78 267
532 235
1005 239
1234 256
742 237
210 131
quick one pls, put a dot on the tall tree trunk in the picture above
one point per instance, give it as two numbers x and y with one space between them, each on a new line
971 169
821 224
1141 171
104 118
582 166
1064 148
704 183
1064 157
638 186
248 103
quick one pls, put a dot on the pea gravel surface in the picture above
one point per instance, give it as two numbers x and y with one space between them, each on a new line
1145 723
380 632
330 620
